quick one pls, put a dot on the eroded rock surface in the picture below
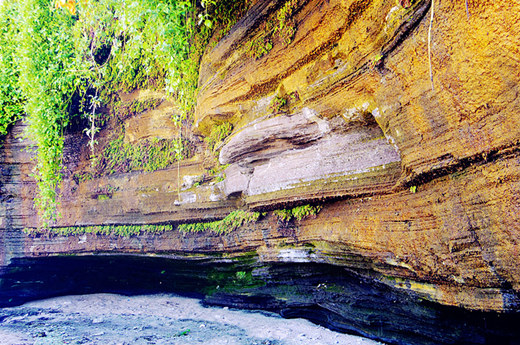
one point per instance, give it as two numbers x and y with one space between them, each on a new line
419 186
319 158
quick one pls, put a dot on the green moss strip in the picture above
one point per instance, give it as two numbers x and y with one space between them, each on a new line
116 230
149 155
231 222
299 212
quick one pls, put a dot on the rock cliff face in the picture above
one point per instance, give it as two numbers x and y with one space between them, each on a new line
419 180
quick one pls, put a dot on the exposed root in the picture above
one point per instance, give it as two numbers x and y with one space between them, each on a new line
429 45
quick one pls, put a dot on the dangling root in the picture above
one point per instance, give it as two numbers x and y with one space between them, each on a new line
429 46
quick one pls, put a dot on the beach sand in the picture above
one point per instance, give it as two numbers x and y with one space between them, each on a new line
155 319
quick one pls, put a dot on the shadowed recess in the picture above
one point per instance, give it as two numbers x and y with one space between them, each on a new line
325 294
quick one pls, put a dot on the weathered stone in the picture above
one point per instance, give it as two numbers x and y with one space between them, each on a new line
318 157
237 179
325 294
419 186
268 138
151 123
154 123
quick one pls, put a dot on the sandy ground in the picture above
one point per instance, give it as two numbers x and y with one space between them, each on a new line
110 319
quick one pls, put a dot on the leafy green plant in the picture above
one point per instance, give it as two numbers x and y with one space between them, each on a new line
280 25
11 97
91 50
283 215
259 46
218 134
105 230
285 25
305 211
149 155
241 275
48 78
231 222
82 176
299 213
278 103
145 44
217 172
226 14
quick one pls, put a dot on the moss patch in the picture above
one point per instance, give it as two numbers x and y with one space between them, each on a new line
148 155
113 230
232 222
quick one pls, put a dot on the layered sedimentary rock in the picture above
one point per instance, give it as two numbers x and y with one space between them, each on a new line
419 181
319 158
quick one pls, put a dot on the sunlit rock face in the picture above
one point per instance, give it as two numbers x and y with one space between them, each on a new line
419 184
318 157
429 169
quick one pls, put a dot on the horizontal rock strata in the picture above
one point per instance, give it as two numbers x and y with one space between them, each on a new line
419 185
304 157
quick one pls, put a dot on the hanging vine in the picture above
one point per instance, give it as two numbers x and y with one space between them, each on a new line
54 50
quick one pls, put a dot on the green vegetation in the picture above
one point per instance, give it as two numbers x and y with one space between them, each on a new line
138 44
218 134
124 110
231 280
104 193
217 172
241 275
183 333
278 103
149 155
259 46
280 26
76 56
285 25
283 102
48 77
11 97
227 13
114 230
233 221
82 176
299 213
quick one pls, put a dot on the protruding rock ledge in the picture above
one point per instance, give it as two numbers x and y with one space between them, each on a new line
303 157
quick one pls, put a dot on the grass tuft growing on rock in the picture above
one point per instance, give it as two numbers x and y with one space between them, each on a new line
299 213
149 155
106 230
233 221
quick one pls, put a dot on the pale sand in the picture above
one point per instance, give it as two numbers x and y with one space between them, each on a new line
154 319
